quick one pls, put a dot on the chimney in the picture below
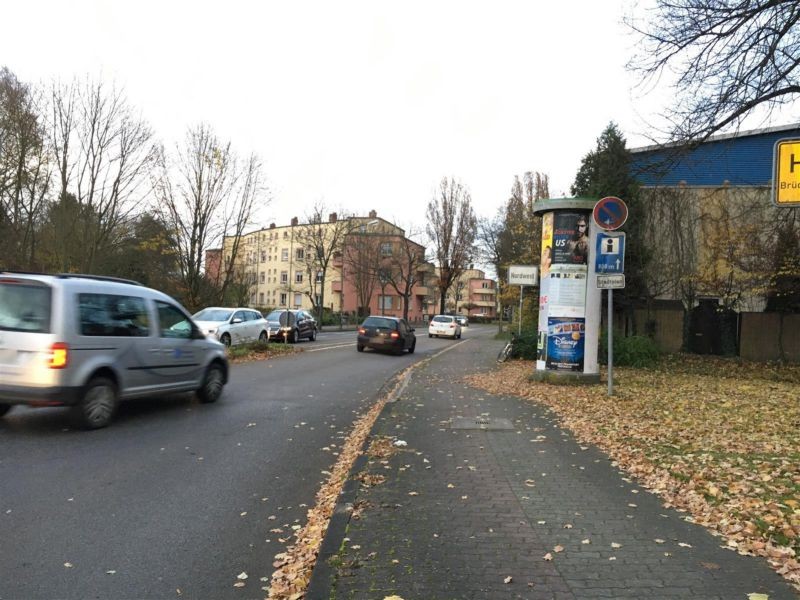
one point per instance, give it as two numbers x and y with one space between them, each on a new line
294 221
272 225
373 214
332 218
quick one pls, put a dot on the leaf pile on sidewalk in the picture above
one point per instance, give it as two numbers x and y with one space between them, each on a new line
718 438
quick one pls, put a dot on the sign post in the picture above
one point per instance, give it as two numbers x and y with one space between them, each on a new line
609 214
522 275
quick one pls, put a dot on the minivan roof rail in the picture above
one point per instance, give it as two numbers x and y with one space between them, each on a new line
97 278
72 275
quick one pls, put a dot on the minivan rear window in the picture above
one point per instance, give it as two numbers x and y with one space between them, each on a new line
25 305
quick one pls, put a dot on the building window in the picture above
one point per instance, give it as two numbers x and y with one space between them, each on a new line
300 253
253 299
263 256
319 276
298 300
386 249
317 299
285 235
283 298
385 302
285 254
298 277
261 299
284 277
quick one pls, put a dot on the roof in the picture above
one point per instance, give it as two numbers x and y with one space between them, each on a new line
740 159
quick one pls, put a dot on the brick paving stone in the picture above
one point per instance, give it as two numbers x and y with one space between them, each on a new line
461 510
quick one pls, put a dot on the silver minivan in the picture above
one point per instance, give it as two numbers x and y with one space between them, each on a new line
89 341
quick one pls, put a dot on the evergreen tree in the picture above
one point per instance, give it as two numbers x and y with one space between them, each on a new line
605 171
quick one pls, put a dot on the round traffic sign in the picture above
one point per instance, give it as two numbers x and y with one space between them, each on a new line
610 213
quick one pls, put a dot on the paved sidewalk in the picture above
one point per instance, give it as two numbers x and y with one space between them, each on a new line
470 513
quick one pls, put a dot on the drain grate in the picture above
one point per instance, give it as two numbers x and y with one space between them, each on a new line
486 423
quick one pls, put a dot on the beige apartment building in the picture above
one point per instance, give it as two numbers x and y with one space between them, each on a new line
279 265
472 294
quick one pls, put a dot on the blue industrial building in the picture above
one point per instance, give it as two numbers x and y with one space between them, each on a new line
741 160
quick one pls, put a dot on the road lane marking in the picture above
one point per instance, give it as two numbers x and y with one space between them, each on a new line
331 347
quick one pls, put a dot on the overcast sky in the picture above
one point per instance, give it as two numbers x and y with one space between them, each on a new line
363 105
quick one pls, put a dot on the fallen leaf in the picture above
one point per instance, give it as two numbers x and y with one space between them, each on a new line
558 549
616 545
242 575
586 541
548 556
508 579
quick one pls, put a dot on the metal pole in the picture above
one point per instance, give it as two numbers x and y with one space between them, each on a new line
610 343
521 289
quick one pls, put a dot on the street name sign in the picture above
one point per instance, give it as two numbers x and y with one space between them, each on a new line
609 254
522 274
611 282
786 173
610 213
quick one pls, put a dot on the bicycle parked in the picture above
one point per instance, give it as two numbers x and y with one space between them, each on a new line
508 351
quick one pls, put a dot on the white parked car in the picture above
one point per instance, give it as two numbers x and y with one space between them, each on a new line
232 326
444 325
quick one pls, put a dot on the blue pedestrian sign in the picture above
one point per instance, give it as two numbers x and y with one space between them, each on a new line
610 253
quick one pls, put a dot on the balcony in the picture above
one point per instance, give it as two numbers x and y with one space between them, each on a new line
336 285
486 303
421 290
483 291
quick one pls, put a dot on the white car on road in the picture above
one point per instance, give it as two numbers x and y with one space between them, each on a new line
232 326
444 325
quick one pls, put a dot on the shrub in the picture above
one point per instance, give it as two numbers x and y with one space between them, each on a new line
633 351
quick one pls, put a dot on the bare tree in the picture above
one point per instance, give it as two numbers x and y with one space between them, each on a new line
361 265
730 57
207 197
321 239
24 171
104 153
404 268
451 227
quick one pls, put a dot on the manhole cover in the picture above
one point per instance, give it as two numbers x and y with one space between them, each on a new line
487 423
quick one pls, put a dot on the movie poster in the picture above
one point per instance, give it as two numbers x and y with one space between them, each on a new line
565 343
570 239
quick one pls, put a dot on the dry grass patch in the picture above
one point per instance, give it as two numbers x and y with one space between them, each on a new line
718 438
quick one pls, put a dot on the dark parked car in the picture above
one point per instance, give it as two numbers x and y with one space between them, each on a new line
292 325
386 333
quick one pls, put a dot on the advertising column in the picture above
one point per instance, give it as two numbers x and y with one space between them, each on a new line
563 287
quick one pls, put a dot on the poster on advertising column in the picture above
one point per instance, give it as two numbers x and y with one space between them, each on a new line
565 343
570 239
545 261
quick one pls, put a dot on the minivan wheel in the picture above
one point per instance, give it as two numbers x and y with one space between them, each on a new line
99 403
360 347
226 339
4 408
313 335
213 383
413 347
262 337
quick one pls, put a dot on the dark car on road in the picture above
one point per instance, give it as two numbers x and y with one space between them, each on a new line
386 333
291 325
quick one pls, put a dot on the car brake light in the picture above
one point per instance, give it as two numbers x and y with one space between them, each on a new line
394 335
362 331
59 353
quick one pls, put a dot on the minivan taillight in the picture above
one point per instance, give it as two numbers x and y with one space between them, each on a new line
59 353
394 335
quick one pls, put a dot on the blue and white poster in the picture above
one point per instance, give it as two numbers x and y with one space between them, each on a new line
566 338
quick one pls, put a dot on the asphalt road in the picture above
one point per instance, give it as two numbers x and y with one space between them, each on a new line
175 499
